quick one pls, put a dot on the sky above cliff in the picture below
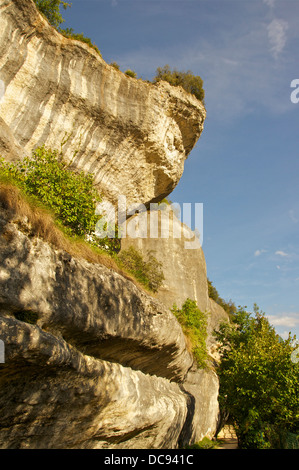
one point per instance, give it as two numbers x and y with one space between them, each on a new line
245 167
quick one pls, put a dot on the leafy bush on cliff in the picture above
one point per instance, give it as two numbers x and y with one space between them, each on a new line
259 381
71 196
229 306
69 33
194 324
147 271
131 73
51 10
190 82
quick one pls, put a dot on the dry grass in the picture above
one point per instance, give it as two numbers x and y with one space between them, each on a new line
27 212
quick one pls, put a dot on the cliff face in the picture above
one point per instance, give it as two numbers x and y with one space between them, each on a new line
134 137
184 268
104 364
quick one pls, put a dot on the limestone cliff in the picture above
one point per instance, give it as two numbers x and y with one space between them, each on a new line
105 364
134 137
184 268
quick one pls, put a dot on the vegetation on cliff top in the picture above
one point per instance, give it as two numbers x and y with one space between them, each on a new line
50 9
229 306
191 83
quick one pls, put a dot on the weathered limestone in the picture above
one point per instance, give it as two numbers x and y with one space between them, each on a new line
133 136
183 263
105 365
53 396
178 250
94 308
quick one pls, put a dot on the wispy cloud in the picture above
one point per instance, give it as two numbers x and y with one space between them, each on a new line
259 252
293 216
277 36
290 320
270 3
281 253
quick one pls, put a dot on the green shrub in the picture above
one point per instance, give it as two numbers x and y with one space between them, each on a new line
229 306
71 196
115 65
191 83
131 73
258 381
194 324
69 33
205 443
147 271
51 10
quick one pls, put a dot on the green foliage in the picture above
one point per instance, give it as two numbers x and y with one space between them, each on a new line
147 271
229 306
258 381
194 324
51 10
190 82
71 196
205 443
131 73
69 33
115 65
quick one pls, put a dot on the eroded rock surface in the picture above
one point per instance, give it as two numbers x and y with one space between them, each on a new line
104 365
179 251
133 136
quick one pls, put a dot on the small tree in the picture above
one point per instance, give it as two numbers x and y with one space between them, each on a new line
51 10
190 82
131 73
258 381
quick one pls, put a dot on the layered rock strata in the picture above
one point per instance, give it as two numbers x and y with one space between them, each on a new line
103 364
180 253
131 135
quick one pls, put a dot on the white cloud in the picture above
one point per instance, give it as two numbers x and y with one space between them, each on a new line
281 253
287 320
259 252
277 36
293 216
270 3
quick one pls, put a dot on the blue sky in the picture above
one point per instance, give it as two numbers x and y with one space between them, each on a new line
245 166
